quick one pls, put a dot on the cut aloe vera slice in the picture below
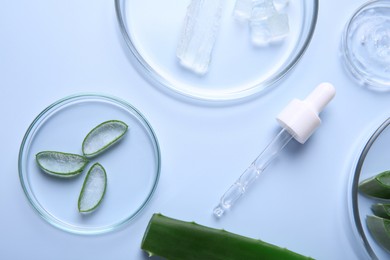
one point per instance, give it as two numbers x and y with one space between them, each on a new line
381 210
377 186
61 164
178 240
93 189
103 136
380 230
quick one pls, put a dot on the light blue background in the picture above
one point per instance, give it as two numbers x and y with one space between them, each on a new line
52 49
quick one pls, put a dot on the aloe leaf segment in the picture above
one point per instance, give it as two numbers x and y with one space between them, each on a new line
380 230
381 210
103 136
93 190
61 164
178 240
377 186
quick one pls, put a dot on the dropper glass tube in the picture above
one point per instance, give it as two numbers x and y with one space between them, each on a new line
253 171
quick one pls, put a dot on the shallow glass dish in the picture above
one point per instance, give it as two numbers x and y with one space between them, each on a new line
132 165
373 159
365 45
238 69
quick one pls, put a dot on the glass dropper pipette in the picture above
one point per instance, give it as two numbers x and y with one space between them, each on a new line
298 120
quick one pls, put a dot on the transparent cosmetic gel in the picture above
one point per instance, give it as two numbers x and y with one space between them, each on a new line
366 45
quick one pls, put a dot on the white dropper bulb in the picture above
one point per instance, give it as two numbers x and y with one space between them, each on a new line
321 96
301 117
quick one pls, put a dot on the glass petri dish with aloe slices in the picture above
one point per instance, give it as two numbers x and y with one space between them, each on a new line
368 198
132 165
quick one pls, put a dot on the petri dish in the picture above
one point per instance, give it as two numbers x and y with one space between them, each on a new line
372 160
132 165
238 69
366 45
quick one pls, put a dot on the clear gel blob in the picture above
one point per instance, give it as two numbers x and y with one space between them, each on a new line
366 45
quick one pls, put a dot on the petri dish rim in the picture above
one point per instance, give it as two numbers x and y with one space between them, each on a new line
357 73
34 127
353 193
259 88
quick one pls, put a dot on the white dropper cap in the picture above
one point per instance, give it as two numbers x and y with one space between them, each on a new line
301 118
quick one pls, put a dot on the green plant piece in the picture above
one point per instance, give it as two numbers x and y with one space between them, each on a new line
380 230
61 164
381 210
93 190
178 240
377 186
102 137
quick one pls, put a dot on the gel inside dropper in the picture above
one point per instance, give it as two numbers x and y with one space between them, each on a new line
298 120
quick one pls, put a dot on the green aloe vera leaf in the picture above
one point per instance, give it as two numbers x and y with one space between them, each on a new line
178 240
381 210
380 230
102 137
61 164
377 186
93 190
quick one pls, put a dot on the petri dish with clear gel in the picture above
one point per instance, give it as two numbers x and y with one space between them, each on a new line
373 159
132 165
366 45
238 69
